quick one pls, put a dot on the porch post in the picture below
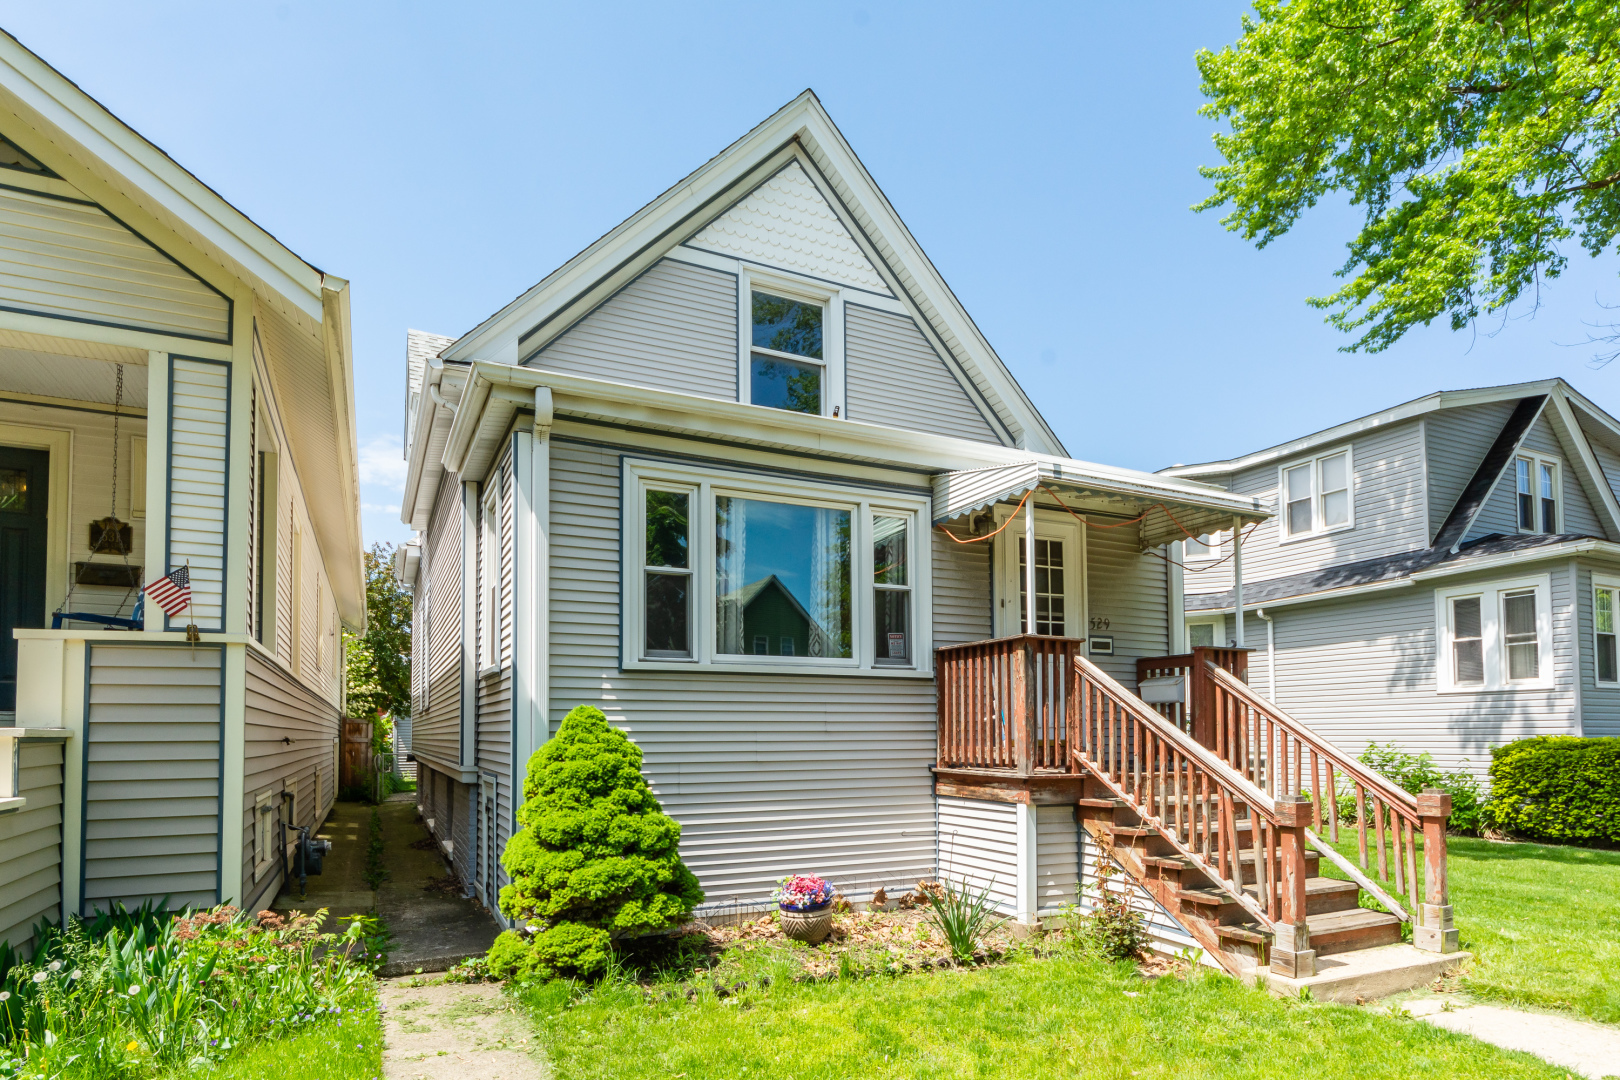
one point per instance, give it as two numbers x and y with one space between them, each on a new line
1237 576
1025 899
1291 953
1029 564
1433 930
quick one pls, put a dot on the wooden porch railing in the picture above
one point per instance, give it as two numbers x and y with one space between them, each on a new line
1190 667
1005 704
1281 756
1209 812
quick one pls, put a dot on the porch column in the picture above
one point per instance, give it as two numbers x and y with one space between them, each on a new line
1029 564
1237 576
1026 900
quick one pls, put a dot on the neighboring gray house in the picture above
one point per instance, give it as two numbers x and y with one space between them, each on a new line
1444 574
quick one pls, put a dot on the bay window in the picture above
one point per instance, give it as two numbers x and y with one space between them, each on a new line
1495 636
738 570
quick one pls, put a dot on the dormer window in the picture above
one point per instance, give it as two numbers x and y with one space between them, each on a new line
785 366
1316 496
1536 480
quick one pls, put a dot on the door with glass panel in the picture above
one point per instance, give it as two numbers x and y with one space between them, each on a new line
24 477
1059 579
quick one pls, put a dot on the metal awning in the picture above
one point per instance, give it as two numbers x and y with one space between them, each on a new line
1174 507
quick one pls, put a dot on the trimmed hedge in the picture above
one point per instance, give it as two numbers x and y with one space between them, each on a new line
1557 787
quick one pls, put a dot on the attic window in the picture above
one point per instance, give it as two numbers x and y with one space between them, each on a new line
1317 496
1536 483
13 158
785 366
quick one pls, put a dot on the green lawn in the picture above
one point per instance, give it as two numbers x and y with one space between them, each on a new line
1063 1016
332 1050
1540 920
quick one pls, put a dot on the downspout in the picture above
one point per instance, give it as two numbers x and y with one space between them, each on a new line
1237 577
1271 654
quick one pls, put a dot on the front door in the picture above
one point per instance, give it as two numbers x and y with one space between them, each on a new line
24 478
1059 578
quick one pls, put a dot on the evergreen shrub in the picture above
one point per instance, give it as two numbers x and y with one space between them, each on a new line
1557 787
595 858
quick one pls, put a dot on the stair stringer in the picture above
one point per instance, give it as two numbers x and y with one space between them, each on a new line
1168 895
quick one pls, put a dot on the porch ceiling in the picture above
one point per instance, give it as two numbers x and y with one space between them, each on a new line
73 378
1173 508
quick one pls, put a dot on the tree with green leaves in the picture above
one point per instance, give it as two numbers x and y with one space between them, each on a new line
377 664
1481 138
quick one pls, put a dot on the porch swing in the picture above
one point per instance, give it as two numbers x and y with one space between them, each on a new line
108 536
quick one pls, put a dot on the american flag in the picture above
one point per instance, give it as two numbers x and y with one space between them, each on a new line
172 591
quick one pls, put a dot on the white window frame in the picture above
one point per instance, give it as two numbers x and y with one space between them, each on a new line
1215 545
1537 461
1317 516
829 297
264 822
489 578
1217 623
703 484
1612 585
1049 525
1491 595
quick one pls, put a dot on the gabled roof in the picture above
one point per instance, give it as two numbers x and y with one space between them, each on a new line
1483 482
799 132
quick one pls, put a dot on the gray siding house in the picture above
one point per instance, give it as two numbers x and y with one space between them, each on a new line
732 474
1444 574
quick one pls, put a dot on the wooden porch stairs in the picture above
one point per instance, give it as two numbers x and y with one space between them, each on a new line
1220 806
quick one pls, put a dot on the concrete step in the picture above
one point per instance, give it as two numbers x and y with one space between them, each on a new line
1367 974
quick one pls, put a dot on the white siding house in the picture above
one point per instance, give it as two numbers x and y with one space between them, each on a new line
764 355
1485 527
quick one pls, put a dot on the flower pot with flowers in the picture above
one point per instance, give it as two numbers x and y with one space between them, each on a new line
805 905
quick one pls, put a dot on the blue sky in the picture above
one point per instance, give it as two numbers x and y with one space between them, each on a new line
445 157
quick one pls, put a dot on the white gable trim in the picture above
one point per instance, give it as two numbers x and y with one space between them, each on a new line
800 127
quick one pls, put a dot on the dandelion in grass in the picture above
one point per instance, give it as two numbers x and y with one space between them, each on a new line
40 976
136 989
76 974
56 965
5 995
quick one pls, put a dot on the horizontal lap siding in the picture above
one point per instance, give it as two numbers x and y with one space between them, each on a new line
1057 857
894 378
90 494
152 785
1389 512
768 775
961 588
436 730
1360 671
1579 517
674 327
1129 590
72 260
1457 441
198 468
31 846
278 709
978 847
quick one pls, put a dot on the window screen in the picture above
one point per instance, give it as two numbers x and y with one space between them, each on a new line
1467 645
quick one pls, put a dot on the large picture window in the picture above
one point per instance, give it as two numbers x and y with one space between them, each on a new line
1495 636
739 570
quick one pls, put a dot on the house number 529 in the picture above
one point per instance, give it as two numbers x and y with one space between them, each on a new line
1099 624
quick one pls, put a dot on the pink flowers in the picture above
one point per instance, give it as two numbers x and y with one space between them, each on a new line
803 891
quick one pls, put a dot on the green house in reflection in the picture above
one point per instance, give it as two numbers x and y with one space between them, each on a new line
774 623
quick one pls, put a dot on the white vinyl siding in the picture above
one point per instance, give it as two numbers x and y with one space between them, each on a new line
1387 500
961 591
278 708
786 223
436 731
1126 599
1057 858
152 783
767 775
896 379
31 845
1600 701
1364 670
1500 514
978 847
674 328
72 260
1458 440
199 471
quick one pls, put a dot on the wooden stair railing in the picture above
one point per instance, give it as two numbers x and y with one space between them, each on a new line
1207 811
1190 666
1280 756
1004 704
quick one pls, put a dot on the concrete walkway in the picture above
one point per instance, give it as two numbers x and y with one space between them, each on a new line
1588 1049
431 929
444 1031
